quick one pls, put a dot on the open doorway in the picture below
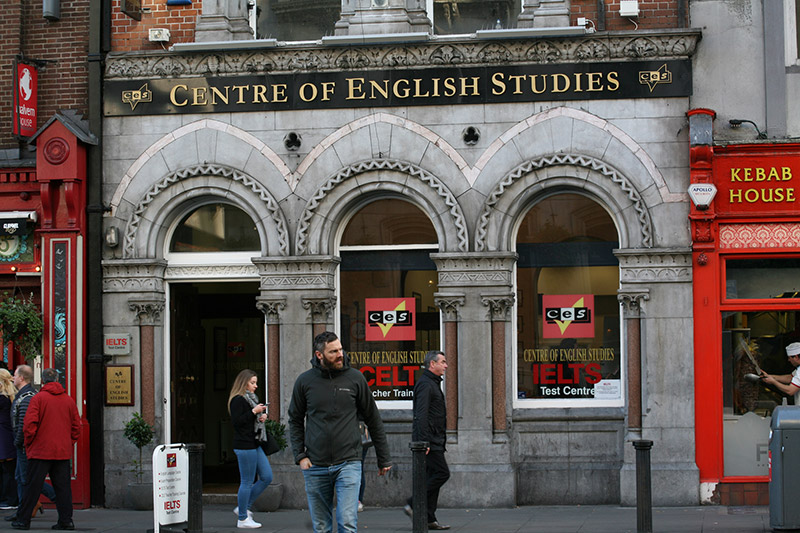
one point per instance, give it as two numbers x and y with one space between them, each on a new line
216 331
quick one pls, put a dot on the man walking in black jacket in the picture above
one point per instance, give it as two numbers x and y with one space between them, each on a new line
323 424
430 424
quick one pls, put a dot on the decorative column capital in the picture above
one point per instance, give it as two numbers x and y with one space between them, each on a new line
632 300
271 307
499 306
321 309
149 311
449 305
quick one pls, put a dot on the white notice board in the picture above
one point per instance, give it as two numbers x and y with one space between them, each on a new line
170 485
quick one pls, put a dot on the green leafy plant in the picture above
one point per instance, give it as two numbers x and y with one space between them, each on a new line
277 430
140 433
21 323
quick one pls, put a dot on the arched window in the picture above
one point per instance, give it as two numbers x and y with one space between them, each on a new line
387 280
568 316
214 232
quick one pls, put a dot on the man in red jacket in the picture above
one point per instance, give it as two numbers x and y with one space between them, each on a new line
52 427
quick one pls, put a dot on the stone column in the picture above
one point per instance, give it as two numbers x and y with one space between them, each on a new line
223 20
499 313
321 312
271 310
544 14
149 313
631 304
449 304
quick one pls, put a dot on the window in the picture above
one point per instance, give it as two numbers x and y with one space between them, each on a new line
568 316
760 278
751 338
468 16
388 318
215 228
296 20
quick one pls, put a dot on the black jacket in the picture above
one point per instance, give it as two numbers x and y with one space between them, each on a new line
324 412
18 410
430 414
244 424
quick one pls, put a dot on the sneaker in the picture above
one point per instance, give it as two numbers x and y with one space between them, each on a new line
249 523
360 507
409 511
236 512
6 507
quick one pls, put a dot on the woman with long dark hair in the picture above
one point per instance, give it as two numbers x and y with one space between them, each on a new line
248 416
8 453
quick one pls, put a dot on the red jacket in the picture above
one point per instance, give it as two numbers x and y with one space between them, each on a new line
52 424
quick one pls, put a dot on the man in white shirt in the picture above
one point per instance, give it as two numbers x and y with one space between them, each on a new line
788 384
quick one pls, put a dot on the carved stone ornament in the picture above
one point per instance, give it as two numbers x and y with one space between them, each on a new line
617 180
271 308
489 269
632 300
321 309
291 58
499 306
297 273
449 304
172 178
655 265
131 275
702 231
149 311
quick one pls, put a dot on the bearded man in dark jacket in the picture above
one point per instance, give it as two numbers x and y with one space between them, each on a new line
323 424
430 425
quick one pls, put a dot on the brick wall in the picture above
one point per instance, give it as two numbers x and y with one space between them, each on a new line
64 44
129 34
653 14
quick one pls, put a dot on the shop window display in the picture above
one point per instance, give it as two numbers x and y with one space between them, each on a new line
568 316
387 281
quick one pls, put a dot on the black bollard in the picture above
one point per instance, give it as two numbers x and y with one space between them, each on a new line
419 484
195 522
644 499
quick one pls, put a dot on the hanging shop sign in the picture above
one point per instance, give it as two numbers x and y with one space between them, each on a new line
757 183
25 95
433 86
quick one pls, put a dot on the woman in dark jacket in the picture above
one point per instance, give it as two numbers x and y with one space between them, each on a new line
8 453
248 416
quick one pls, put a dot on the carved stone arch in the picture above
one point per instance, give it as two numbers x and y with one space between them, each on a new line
576 172
157 207
419 186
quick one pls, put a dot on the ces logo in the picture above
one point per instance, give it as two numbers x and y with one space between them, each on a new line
568 316
390 319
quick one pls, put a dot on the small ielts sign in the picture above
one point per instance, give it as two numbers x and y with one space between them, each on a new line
568 316
390 319
24 109
116 344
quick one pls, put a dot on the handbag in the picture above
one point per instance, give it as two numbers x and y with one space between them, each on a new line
270 445
366 438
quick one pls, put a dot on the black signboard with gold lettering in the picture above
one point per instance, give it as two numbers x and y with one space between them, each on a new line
434 86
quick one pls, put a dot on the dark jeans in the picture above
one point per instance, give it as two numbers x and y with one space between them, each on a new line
59 471
21 475
438 473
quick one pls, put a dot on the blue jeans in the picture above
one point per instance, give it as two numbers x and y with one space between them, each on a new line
21 475
250 463
321 482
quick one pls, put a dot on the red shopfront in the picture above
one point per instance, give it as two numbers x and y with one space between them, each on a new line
746 251
42 258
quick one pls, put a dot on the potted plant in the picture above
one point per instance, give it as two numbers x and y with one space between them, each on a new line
21 323
270 499
140 433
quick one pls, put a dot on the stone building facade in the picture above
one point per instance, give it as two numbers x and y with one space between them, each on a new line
248 219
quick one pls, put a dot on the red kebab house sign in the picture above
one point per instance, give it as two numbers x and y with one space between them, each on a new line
388 367
25 91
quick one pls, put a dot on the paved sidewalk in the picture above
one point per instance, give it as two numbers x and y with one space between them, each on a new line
534 519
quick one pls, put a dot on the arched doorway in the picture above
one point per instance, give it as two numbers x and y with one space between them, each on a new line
215 330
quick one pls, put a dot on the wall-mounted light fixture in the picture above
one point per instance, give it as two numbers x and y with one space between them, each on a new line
736 122
112 237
